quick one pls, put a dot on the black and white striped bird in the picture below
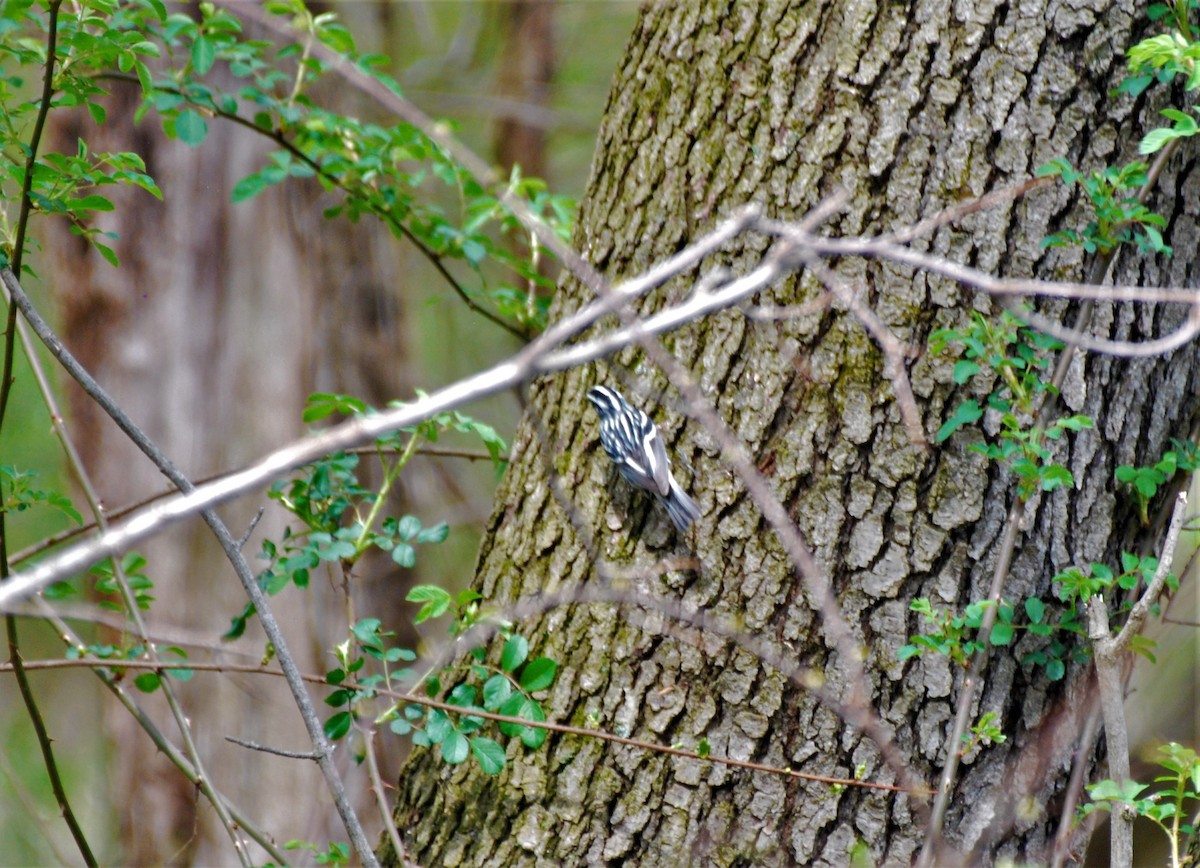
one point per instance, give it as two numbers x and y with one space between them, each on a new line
635 445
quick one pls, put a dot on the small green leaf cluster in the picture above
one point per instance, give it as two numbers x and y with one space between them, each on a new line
368 641
105 583
1119 217
145 681
1144 482
133 566
432 428
338 852
985 732
956 635
93 38
18 494
339 518
438 601
507 689
1019 356
1161 58
321 497
950 634
1165 806
1075 586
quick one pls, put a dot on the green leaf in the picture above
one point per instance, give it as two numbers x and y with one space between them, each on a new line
408 527
1002 634
191 128
455 748
90 203
496 691
516 650
204 54
437 600
321 405
406 556
249 187
462 695
539 674
367 630
435 534
338 725
488 754
533 737
968 413
1035 609
965 369
147 682
110 255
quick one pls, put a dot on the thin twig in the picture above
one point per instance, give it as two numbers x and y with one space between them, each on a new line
271 627
381 800
277 751
173 754
132 610
6 381
420 699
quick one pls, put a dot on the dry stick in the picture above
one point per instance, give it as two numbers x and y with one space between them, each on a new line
542 355
1066 820
418 699
895 351
873 247
264 748
381 799
103 670
954 213
132 610
232 551
1108 652
1123 349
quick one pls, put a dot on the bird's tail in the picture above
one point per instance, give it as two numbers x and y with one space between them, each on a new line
681 507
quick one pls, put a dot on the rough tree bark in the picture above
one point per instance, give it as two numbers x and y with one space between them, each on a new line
910 108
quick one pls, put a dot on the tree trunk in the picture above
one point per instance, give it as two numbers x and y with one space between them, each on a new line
220 321
909 108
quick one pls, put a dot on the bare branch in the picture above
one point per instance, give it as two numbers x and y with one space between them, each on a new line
232 552
277 751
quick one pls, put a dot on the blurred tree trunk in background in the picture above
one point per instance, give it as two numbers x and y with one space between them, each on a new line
526 70
910 108
211 336
218 324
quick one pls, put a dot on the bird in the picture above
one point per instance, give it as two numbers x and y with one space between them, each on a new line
635 445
